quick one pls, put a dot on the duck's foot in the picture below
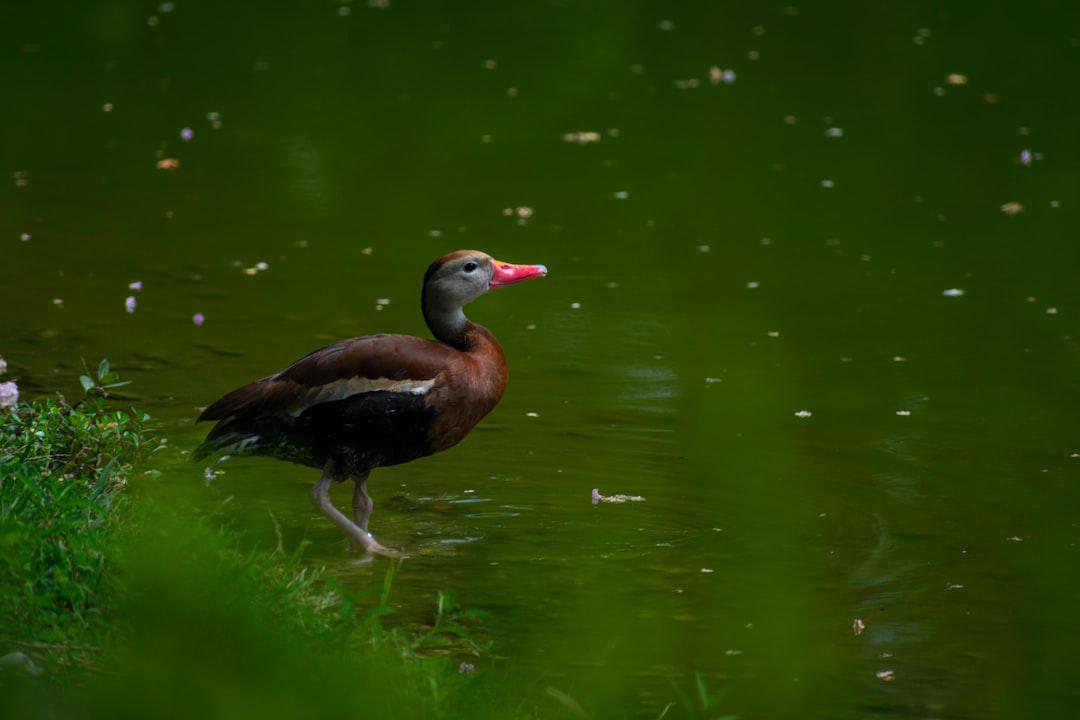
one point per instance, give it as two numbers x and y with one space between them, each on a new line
365 542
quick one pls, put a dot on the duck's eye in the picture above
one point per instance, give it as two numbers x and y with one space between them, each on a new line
469 266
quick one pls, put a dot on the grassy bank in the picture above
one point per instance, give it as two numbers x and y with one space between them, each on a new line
114 608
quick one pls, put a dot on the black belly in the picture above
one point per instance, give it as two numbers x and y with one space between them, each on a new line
358 434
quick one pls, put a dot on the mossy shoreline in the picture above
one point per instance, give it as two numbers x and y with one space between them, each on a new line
111 607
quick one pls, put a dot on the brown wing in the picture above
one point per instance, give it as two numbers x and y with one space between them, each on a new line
375 362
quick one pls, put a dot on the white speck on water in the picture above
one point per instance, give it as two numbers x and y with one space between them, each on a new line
25 237
166 7
612 285
582 138
803 414
1051 311
903 413
834 132
1015 538
129 304
956 79
827 183
667 25
774 333
939 91
621 195
703 248
575 306
1025 157
532 414
953 292
728 77
261 266
707 570
58 302
752 284
198 319
137 285
186 134
710 380
107 107
1054 204
766 241
382 301
434 233
1012 208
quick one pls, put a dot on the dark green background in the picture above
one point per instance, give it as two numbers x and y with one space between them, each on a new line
356 148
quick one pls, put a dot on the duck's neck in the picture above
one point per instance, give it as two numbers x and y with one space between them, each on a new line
449 325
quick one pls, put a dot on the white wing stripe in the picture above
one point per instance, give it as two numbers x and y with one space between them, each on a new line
342 389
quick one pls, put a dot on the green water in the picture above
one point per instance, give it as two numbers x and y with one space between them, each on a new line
724 256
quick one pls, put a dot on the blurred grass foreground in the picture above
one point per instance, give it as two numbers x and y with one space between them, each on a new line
114 607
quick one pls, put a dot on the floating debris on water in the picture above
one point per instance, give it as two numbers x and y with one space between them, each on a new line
198 319
885 675
956 79
803 414
953 292
903 413
187 134
582 138
1012 208
129 304
167 164
857 627
616 499
137 285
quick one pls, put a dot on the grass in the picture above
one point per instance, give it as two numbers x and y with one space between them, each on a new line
111 608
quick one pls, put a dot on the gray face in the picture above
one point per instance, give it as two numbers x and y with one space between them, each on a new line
460 280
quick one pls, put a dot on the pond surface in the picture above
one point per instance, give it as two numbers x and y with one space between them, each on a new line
812 295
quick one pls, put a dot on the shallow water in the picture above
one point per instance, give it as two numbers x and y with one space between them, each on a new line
748 319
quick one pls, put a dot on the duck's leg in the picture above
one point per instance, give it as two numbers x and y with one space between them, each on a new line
362 504
359 537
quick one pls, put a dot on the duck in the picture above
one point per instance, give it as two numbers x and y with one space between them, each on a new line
377 400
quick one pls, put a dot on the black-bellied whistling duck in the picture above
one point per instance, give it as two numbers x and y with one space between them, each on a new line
378 400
